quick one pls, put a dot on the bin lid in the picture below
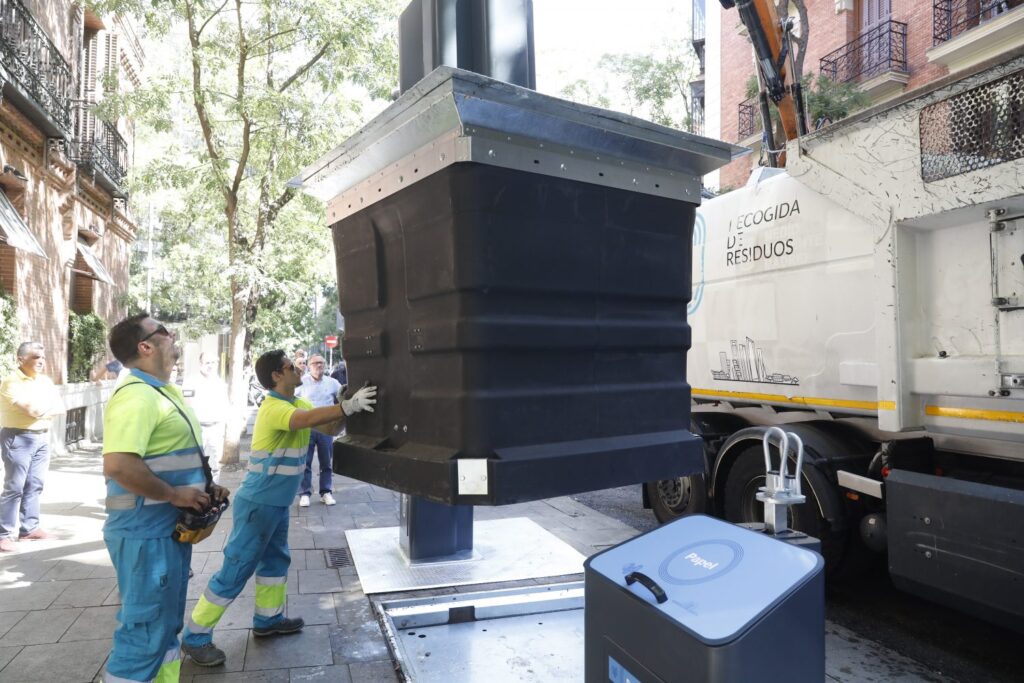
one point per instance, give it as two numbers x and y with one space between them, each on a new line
453 116
719 578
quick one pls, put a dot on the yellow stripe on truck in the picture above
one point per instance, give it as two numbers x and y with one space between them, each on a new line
812 401
973 414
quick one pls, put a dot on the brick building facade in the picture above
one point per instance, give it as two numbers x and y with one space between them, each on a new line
887 47
67 226
64 169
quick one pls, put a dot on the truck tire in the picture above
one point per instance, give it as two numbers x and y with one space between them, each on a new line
674 498
740 504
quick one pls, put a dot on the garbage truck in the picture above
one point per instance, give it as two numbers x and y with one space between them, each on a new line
786 331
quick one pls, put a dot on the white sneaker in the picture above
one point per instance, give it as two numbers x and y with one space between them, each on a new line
303 501
328 499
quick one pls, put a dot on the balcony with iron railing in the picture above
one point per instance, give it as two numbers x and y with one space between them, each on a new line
99 148
968 32
34 65
748 119
877 60
950 18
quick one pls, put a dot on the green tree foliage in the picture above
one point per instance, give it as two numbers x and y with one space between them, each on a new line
250 92
86 343
653 86
8 334
826 100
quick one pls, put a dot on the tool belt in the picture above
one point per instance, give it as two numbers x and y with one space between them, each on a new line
193 527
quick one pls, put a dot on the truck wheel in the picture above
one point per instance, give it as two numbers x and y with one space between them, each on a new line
674 498
740 505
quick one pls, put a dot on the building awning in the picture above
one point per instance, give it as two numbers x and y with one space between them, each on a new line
92 263
14 231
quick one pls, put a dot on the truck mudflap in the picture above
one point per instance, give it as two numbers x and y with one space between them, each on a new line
959 543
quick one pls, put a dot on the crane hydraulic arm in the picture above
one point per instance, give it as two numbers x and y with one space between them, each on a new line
771 41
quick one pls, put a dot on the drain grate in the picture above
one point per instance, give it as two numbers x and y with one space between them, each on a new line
338 557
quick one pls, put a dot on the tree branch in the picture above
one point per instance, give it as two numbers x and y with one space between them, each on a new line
210 18
305 67
243 49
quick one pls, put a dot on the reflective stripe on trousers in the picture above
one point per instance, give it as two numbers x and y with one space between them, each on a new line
170 670
258 545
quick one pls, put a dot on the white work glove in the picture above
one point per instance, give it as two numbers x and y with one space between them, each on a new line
360 401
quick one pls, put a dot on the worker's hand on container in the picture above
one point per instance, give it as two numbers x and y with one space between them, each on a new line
360 401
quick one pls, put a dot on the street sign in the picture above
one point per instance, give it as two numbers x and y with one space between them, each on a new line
331 341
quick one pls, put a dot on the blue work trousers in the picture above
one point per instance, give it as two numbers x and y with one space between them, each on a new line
152 578
258 545
26 457
323 445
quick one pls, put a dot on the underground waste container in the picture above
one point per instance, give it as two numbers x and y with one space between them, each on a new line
700 600
513 271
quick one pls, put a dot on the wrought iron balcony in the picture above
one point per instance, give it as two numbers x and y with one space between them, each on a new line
749 118
35 64
881 50
99 148
950 18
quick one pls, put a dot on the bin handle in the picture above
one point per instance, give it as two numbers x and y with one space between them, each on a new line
647 582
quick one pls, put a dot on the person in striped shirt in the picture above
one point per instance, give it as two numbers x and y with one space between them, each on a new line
259 539
153 467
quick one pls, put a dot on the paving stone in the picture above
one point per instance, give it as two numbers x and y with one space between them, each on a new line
358 637
29 597
103 572
321 674
95 623
15 569
274 676
6 655
67 570
388 507
233 642
315 608
319 581
315 558
85 593
113 598
40 627
64 662
354 494
238 614
373 672
301 540
9 619
310 647
330 539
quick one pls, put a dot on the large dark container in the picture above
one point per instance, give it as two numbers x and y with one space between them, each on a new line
514 277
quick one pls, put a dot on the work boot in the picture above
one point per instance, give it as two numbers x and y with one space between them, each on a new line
207 654
7 545
328 499
304 501
286 625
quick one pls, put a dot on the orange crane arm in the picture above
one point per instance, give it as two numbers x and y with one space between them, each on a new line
770 38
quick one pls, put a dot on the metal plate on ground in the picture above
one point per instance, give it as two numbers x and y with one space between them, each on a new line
525 634
503 550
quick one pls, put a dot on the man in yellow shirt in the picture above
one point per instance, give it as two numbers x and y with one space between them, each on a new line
28 404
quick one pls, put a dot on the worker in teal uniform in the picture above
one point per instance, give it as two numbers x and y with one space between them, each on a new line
152 462
259 540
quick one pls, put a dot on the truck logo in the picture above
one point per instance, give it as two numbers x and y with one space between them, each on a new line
738 252
747 365
700 233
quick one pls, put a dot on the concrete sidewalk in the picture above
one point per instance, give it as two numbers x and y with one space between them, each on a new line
59 599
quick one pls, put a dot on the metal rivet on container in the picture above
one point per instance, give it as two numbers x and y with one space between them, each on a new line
561 166
928 554
396 428
443 156
634 181
490 153
927 520
405 428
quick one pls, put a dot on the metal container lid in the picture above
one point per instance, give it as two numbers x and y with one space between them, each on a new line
454 116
